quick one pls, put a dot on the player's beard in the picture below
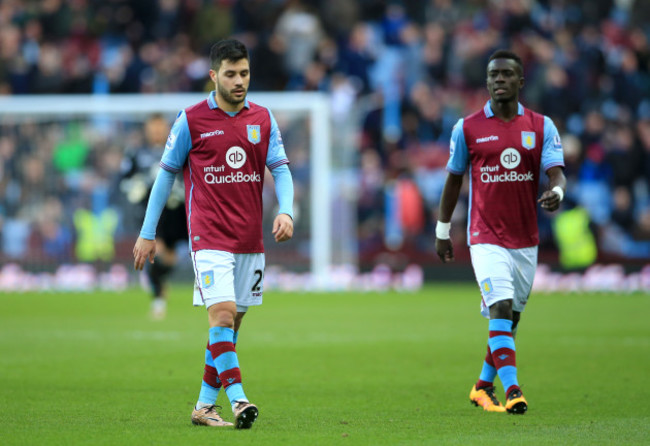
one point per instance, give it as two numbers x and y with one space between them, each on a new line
229 97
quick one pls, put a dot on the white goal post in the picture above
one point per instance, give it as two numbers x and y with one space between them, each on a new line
312 104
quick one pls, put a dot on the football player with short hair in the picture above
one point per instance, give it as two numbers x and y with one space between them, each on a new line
223 145
504 146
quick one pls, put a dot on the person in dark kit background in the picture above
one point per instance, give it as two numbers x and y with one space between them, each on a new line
139 170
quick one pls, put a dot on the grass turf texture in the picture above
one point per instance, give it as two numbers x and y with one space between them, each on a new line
341 368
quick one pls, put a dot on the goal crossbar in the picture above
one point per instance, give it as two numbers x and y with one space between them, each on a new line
316 105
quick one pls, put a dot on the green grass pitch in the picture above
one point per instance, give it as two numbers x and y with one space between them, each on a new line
324 368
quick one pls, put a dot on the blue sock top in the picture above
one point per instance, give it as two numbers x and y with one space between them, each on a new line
221 334
500 325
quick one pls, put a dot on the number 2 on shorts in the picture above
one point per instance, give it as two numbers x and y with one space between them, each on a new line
259 274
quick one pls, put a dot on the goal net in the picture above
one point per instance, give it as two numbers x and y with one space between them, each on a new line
66 220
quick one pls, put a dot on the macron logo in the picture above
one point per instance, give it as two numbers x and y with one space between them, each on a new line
213 133
487 139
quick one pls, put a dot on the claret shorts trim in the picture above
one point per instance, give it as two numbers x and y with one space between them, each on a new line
222 276
503 274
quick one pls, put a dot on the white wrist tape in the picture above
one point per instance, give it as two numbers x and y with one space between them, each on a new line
558 190
442 230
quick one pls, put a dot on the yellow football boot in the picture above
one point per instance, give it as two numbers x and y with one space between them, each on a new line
486 399
516 403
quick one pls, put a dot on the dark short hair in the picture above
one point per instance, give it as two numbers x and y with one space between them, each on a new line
227 49
507 54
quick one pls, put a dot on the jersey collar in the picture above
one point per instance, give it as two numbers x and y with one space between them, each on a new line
212 101
489 113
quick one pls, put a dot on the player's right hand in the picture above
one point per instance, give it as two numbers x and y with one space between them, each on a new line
282 228
144 249
445 250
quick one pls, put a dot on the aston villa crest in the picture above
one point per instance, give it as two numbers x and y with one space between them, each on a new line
253 133
528 140
207 279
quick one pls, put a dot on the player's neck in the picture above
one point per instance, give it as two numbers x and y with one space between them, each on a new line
506 111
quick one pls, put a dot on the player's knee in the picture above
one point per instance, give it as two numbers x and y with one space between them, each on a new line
222 315
501 310
222 319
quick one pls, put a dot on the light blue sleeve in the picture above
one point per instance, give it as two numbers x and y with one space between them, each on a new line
552 152
276 155
284 189
178 145
458 151
159 194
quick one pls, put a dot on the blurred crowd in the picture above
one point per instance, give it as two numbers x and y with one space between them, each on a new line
405 71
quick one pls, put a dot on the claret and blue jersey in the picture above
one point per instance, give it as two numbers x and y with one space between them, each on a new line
504 161
223 158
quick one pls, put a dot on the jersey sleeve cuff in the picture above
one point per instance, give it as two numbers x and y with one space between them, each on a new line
455 172
278 164
169 168
147 235
284 211
550 165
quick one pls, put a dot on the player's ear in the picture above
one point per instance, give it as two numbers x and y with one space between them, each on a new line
213 76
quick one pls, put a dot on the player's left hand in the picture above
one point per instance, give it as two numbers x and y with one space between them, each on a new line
282 228
445 250
142 251
550 201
